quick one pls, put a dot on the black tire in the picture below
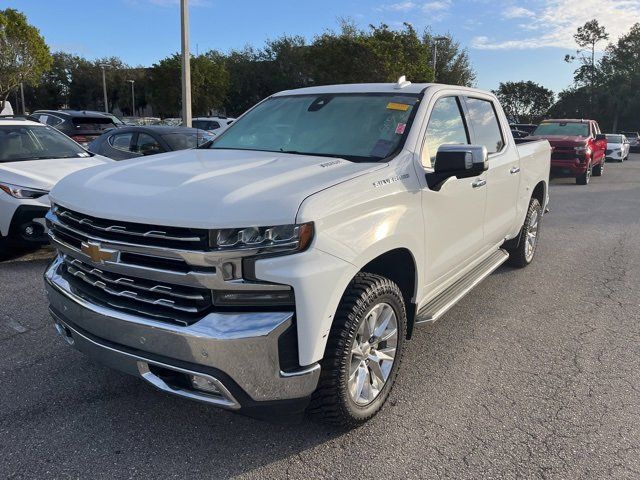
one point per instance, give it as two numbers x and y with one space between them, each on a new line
585 177
518 253
331 402
598 170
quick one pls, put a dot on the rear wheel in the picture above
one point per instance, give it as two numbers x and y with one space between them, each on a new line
363 352
522 254
585 177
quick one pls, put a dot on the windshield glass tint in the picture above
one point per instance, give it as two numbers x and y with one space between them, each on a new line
27 142
571 129
358 127
183 141
614 138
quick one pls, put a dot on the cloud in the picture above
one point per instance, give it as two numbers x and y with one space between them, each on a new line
517 12
559 20
398 7
436 10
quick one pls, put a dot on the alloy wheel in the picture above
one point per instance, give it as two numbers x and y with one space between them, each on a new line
531 235
372 354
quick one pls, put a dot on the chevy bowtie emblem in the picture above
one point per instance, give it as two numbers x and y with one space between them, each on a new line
98 254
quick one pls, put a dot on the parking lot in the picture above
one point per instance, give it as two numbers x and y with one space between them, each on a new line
535 374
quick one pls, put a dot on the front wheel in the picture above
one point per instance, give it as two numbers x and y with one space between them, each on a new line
585 177
522 254
598 170
363 352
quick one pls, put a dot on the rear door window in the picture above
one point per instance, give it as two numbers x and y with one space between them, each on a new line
121 141
484 124
147 145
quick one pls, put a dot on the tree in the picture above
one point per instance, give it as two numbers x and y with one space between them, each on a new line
24 55
524 102
453 65
587 37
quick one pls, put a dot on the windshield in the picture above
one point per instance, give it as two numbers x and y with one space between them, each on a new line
614 138
28 142
571 129
357 127
183 141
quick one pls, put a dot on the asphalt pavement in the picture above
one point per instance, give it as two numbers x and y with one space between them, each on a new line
535 374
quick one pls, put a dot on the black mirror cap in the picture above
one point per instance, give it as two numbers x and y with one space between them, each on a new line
461 160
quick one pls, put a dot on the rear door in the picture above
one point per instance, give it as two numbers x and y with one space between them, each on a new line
503 178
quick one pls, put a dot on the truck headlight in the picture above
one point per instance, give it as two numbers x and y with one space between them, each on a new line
16 191
279 238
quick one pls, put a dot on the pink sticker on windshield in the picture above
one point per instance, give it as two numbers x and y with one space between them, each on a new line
400 128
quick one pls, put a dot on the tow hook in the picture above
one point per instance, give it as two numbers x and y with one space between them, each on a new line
65 333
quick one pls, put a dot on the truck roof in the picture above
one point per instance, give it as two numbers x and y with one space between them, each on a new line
413 88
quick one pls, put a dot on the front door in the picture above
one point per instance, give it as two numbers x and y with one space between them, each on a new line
454 214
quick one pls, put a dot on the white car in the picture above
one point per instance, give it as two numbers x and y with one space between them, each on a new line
287 264
33 158
216 125
618 147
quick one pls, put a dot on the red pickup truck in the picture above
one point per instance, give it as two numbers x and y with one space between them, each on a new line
577 148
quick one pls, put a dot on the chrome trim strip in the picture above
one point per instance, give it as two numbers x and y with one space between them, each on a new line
123 230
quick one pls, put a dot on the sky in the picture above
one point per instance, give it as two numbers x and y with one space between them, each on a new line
506 40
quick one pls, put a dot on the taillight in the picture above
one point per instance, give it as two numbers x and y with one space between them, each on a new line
83 140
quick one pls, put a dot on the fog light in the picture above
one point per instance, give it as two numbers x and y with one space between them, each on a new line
204 384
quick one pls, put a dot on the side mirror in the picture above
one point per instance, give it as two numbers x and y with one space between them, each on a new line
461 160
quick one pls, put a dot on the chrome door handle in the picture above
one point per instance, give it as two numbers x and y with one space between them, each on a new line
514 170
480 182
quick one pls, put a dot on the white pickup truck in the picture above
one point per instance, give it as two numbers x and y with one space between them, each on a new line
285 265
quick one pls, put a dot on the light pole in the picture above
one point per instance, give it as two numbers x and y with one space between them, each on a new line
436 40
104 86
133 98
24 109
186 64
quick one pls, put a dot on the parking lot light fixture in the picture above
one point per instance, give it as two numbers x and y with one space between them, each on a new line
436 40
133 98
186 63
104 86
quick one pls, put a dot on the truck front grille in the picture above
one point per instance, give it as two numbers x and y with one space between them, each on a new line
563 153
143 275
172 237
171 303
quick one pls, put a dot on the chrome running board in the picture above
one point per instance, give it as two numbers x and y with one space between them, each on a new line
437 307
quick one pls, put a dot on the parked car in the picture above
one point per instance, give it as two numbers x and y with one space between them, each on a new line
634 140
617 147
578 148
81 126
171 121
287 264
131 142
524 127
212 124
33 157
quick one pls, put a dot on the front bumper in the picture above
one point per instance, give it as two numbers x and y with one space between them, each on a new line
238 352
28 225
567 168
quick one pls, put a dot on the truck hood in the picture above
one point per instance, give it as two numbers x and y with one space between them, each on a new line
562 140
44 174
205 188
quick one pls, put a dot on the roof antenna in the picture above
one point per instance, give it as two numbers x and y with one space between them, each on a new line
402 82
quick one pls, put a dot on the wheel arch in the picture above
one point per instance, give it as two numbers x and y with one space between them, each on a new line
398 265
